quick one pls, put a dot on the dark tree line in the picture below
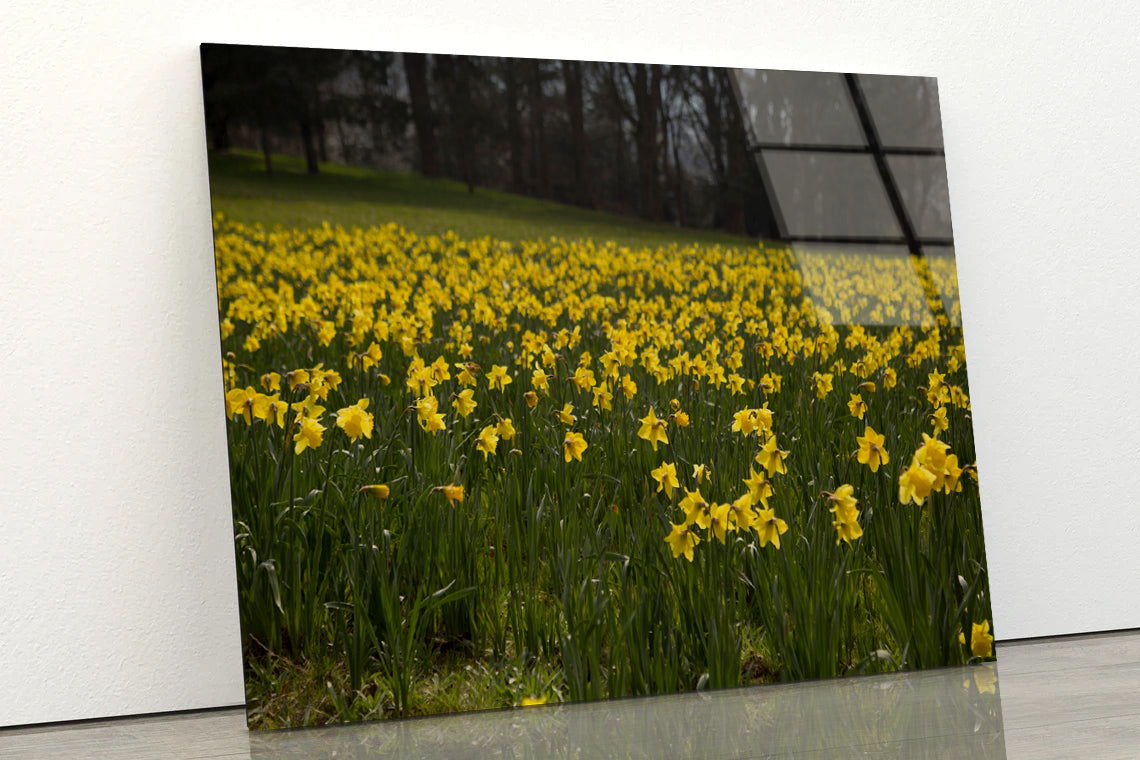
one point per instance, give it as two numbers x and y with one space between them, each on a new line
666 143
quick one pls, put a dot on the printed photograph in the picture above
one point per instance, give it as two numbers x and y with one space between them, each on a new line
551 380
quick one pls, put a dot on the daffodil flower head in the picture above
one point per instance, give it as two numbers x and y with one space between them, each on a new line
453 493
565 414
506 429
915 483
759 487
488 441
741 513
309 435
380 491
355 420
694 505
871 451
769 528
771 457
653 429
682 539
573 446
498 377
666 477
981 642
464 403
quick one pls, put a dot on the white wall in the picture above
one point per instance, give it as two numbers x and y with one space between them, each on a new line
117 590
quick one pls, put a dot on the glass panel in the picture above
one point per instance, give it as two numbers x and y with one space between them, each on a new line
921 181
863 285
904 109
830 194
799 108
943 268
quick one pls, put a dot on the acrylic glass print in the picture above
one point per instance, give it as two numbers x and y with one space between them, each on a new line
550 381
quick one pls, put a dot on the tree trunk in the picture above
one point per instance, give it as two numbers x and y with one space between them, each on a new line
265 152
572 74
310 146
514 127
647 97
322 141
538 129
415 69
737 155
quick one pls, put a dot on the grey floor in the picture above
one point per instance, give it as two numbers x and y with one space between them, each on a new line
1062 698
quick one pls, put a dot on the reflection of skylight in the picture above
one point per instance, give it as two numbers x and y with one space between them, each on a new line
800 108
865 285
921 181
830 194
855 176
904 109
944 274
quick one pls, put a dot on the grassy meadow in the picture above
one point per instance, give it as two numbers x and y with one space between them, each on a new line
487 451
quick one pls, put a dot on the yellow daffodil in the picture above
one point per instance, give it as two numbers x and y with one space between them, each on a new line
466 376
744 421
531 399
842 499
694 505
465 403
488 440
308 408
541 381
565 415
240 401
715 520
915 483
453 493
355 420
769 528
857 406
700 472
740 512
583 378
573 446
653 429
759 488
823 384
297 377
309 435
981 642
378 491
953 474
506 429
666 477
681 540
681 418
871 451
371 357
498 377
771 458
939 420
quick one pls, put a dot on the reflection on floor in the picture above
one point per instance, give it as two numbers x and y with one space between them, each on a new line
1060 698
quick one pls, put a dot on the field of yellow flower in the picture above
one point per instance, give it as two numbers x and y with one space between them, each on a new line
587 471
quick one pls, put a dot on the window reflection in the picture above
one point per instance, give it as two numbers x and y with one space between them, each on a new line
855 176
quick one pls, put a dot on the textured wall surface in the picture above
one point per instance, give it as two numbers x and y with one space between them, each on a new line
116 567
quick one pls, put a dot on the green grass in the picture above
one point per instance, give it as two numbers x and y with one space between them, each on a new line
351 196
